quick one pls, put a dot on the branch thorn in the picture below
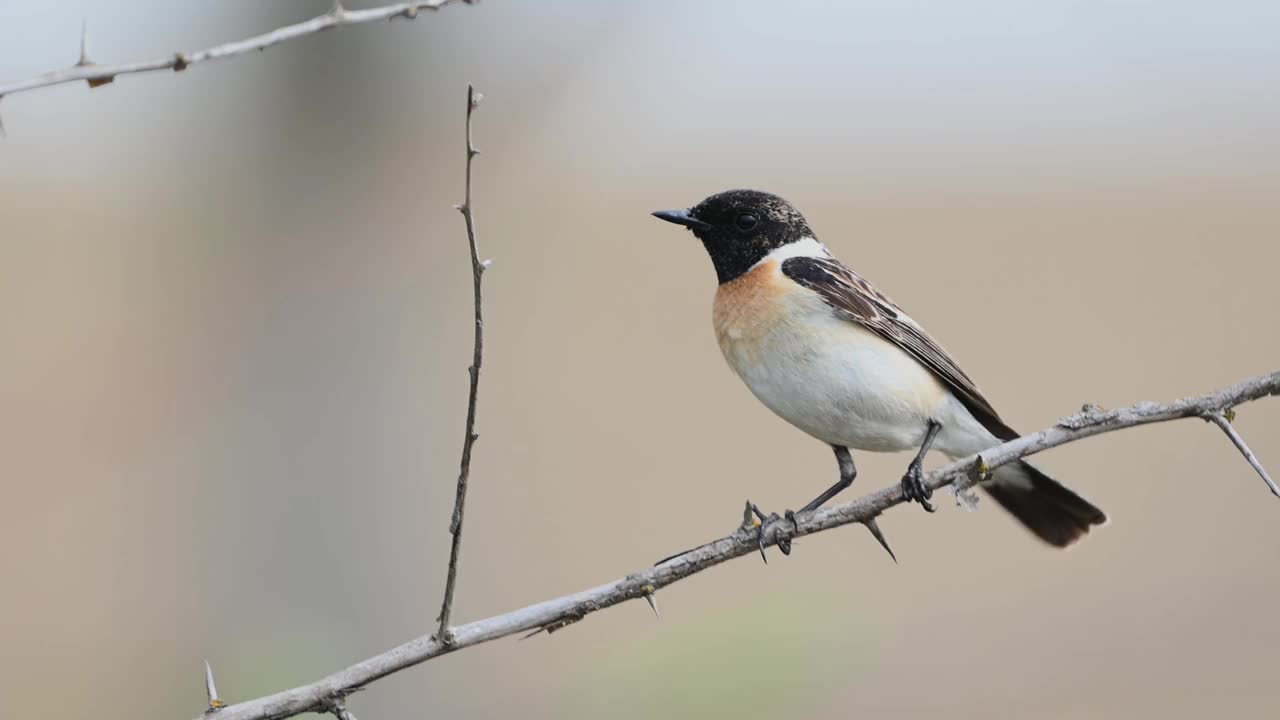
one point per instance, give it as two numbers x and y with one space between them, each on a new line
874 527
653 602
211 690
86 61
338 707
84 45
1223 420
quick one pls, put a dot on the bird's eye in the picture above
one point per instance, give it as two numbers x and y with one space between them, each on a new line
746 221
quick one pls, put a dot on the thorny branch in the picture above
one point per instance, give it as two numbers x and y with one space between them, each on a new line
477 355
558 612
337 16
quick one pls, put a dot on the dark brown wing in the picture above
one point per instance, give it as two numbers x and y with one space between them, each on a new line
854 299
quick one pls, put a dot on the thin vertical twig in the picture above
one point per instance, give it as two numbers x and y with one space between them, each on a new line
477 355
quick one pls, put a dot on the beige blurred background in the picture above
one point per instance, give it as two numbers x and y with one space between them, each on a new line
234 308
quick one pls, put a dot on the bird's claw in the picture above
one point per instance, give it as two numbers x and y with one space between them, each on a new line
913 488
769 530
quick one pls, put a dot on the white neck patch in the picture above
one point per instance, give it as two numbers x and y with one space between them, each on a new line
804 247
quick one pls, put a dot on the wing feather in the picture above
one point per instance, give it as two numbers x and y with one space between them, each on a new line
854 299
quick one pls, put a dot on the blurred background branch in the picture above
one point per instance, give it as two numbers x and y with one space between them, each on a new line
554 614
337 16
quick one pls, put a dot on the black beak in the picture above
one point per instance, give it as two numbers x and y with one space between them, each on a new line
681 217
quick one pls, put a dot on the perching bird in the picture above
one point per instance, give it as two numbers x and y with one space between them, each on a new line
835 357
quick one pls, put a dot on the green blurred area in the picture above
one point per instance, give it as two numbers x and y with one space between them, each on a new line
767 655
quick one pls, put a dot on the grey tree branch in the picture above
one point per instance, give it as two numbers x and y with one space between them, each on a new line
95 74
554 614
477 356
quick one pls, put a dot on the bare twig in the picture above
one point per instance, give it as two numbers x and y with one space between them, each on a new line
477 355
556 613
96 75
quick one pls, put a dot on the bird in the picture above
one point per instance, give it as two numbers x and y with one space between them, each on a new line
829 353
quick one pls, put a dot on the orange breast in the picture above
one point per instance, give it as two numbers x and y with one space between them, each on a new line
747 308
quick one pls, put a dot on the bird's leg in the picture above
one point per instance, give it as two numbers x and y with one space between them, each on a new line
912 485
847 473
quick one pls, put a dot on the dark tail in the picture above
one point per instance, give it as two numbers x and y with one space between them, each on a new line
1048 509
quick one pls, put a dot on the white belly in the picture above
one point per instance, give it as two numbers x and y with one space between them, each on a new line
839 383
831 377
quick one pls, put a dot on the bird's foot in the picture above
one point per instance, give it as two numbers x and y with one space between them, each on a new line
773 528
913 487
